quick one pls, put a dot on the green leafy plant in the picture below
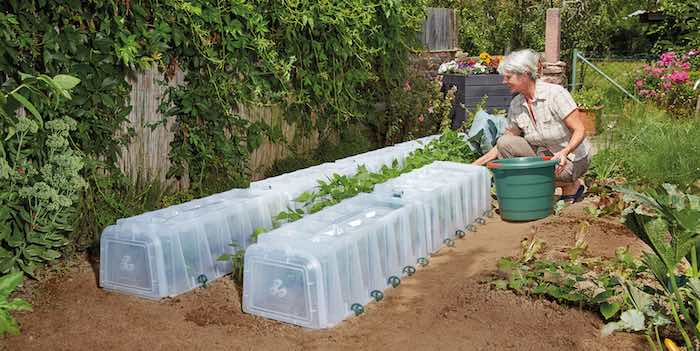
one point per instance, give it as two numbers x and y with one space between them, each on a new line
588 98
669 222
236 259
414 108
39 174
8 283
451 146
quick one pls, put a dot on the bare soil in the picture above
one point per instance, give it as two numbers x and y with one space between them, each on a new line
445 306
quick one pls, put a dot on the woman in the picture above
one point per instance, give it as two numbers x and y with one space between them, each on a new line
542 121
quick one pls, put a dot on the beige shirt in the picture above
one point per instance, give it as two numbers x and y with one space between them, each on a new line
551 105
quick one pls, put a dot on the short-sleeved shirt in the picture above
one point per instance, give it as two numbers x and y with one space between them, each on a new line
551 105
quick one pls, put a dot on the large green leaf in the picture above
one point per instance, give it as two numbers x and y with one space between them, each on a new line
28 105
609 309
65 81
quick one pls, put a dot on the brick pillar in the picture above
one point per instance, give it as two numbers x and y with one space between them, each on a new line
553 69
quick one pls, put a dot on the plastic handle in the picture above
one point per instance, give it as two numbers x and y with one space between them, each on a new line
493 165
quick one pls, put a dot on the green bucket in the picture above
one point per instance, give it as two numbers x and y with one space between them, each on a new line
524 187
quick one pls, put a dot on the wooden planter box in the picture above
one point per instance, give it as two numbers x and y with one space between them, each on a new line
590 118
470 90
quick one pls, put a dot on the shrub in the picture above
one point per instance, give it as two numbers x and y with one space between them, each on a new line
668 82
39 172
416 108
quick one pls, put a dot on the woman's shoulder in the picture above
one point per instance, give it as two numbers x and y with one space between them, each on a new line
546 87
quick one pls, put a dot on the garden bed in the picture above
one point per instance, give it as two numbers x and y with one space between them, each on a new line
446 305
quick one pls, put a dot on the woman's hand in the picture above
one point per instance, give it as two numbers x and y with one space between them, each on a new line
561 156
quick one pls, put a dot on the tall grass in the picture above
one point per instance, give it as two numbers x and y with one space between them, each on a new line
654 148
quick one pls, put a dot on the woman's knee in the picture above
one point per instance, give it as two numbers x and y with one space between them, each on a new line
513 146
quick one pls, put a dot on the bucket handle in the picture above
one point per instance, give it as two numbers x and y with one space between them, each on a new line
494 165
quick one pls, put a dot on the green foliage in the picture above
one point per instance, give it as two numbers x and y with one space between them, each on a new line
653 148
39 172
588 98
236 259
324 62
668 221
113 197
414 108
8 283
618 288
588 25
449 147
679 28
352 141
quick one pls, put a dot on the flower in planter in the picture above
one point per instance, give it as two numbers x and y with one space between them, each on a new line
485 64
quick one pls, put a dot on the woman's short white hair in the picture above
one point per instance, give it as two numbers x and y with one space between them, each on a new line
521 62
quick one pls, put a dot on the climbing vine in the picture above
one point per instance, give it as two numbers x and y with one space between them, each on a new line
326 63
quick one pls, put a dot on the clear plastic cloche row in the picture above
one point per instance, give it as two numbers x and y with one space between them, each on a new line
313 272
173 250
319 270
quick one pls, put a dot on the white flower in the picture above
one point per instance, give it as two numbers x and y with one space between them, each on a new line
448 67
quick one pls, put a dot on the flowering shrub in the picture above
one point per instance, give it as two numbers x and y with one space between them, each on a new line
416 108
39 173
485 64
668 81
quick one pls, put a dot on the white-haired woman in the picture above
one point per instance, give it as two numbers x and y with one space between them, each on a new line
542 121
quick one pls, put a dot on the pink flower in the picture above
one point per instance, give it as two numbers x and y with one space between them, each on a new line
666 85
430 109
679 77
407 86
639 83
667 58
657 72
421 119
693 52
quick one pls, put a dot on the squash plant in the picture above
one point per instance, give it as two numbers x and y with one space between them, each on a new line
39 172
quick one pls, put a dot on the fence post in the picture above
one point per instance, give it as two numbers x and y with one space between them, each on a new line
553 70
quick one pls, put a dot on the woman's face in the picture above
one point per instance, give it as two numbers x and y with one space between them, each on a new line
516 82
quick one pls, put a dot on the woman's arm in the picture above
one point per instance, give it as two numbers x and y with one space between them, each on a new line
493 153
578 133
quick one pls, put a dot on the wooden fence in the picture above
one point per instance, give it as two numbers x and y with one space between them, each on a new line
147 155
440 30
